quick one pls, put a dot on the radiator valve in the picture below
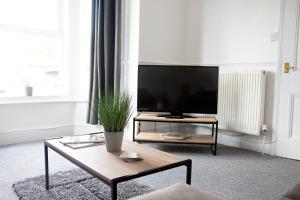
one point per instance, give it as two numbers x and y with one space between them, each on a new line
264 128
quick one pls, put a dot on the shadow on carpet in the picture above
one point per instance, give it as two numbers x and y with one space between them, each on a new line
75 184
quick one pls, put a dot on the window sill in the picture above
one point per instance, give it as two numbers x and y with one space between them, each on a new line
29 100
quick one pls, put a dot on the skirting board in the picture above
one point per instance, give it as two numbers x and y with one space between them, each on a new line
14 137
242 143
33 135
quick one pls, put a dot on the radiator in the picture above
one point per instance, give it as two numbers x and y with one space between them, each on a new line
241 101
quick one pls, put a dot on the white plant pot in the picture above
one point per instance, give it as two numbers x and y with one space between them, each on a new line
28 91
113 141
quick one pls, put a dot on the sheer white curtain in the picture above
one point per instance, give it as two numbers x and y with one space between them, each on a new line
130 49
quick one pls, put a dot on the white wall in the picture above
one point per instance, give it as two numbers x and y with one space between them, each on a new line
233 34
232 31
162 36
209 31
21 122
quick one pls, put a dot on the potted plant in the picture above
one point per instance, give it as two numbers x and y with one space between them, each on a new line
114 112
28 90
28 86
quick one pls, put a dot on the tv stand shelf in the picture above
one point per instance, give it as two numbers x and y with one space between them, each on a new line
211 140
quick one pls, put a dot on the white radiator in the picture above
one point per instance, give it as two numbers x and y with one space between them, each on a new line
241 101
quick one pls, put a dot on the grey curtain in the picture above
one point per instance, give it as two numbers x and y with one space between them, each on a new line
105 53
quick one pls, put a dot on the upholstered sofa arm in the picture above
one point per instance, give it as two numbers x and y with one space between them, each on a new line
292 194
178 192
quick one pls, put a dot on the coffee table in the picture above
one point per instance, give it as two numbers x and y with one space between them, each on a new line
110 169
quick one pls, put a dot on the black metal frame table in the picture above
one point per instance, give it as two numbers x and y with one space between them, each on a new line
213 141
111 182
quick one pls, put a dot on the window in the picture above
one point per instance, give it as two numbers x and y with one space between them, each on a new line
32 47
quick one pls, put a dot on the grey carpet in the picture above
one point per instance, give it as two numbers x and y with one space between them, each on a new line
74 184
234 174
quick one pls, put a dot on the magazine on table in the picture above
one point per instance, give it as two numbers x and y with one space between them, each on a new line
81 141
82 145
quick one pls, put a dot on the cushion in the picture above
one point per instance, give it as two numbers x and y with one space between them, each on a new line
178 192
292 194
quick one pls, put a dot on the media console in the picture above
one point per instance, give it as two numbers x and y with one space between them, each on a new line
211 140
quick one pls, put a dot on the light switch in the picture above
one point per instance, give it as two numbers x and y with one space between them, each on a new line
274 37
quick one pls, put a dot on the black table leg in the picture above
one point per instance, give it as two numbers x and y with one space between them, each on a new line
114 192
46 167
216 139
133 134
188 172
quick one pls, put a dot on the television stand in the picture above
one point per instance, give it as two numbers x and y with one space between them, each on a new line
155 137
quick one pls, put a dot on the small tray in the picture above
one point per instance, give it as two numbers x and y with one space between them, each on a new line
130 156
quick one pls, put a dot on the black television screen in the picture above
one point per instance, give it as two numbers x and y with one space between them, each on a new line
178 89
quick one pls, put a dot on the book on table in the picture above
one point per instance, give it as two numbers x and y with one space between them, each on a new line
82 145
79 139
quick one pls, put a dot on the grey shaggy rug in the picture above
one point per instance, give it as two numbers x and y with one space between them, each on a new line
74 184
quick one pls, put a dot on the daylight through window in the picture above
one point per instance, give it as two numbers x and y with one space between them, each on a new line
31 48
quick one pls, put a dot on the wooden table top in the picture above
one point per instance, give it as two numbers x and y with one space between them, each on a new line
108 165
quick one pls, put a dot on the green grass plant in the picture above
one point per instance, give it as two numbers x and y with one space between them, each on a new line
114 111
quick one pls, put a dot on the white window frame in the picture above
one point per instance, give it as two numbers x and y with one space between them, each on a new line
63 29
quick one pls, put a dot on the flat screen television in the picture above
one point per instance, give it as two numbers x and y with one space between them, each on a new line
178 89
